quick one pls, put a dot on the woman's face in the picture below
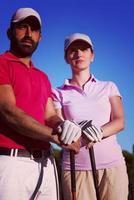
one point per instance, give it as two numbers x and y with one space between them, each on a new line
79 55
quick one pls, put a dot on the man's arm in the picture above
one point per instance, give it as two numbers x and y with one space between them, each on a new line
22 123
18 120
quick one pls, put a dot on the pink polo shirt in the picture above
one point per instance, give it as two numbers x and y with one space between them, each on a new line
90 103
31 89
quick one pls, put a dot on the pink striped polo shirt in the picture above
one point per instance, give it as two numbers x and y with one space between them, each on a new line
90 103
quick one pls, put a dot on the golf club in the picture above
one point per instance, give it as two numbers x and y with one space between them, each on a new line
95 178
73 181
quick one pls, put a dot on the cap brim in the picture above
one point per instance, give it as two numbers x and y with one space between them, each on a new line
81 41
32 20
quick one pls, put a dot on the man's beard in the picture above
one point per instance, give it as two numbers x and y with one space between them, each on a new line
21 49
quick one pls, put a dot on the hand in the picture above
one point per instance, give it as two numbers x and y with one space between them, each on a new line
89 145
70 132
75 146
85 142
92 132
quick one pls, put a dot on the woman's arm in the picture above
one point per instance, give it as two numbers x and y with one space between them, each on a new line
117 118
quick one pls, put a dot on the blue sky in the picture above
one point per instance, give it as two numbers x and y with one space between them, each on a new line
109 23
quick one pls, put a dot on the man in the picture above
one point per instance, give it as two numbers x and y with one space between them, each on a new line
25 107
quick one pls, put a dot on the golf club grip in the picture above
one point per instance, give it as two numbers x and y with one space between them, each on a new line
95 178
72 168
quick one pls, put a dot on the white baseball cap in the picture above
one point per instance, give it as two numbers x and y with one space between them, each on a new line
23 13
77 36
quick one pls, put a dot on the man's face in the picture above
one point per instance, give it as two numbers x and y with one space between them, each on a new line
25 37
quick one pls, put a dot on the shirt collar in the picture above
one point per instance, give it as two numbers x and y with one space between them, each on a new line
11 57
92 79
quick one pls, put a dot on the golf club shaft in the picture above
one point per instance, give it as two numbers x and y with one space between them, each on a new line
95 178
73 181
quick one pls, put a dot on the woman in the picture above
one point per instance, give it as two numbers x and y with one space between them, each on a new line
83 97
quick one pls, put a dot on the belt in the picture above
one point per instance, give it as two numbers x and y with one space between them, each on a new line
33 154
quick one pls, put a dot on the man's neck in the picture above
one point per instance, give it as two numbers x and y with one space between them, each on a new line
25 60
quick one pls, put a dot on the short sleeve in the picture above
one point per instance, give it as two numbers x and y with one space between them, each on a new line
56 98
49 88
113 90
4 72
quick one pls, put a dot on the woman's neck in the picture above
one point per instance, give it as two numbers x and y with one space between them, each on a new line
80 79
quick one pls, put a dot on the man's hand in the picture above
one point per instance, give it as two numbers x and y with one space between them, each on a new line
70 132
91 131
75 146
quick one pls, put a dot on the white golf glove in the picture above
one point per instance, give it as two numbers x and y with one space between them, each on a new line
70 131
91 131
